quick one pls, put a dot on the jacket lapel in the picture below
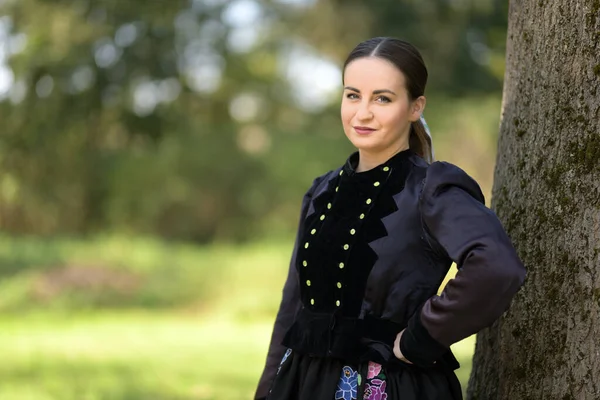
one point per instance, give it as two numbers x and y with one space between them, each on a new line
321 189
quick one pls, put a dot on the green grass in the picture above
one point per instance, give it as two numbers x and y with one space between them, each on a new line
196 326
133 356
124 273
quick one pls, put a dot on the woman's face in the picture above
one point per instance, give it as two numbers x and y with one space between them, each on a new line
375 99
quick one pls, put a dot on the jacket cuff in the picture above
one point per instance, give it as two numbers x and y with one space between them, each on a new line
417 345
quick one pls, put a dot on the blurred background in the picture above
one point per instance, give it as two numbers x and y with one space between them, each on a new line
153 156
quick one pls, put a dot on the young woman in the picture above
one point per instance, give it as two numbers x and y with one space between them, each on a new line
360 317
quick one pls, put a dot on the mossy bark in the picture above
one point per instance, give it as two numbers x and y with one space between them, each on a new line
547 194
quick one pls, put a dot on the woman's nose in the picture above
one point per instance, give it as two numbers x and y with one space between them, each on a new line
364 112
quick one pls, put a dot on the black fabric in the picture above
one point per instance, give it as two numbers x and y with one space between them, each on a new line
325 250
349 338
324 328
418 346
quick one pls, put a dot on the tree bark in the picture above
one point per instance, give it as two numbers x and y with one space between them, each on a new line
547 194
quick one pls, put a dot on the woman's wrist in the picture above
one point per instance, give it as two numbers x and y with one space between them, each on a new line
397 351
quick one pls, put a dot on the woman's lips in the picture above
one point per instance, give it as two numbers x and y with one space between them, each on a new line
361 130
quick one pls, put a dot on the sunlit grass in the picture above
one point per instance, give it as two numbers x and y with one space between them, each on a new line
133 356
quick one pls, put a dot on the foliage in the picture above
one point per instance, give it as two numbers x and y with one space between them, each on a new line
120 273
185 119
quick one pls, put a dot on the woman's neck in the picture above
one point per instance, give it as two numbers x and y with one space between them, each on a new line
367 160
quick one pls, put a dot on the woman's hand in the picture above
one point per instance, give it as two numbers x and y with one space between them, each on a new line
397 351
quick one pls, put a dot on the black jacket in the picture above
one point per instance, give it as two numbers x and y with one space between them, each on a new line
365 278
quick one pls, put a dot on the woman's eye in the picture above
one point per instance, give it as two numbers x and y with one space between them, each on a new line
383 99
351 95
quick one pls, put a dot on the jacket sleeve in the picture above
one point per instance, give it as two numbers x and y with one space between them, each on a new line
490 272
290 301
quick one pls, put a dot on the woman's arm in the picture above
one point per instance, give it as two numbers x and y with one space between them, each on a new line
489 270
290 301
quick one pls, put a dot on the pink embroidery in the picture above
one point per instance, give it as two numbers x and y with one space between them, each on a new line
375 383
374 370
374 392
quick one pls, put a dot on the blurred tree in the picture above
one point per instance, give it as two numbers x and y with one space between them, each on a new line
463 43
104 84
547 193
192 119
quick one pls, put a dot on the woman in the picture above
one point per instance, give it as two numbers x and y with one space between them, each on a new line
360 317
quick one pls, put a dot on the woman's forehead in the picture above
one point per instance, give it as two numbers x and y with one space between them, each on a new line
373 73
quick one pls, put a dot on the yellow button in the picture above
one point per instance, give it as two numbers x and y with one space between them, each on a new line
341 265
352 231
304 263
306 245
339 285
336 188
346 247
322 217
329 205
386 169
361 216
313 231
337 303
341 172
312 301
368 201
308 283
376 184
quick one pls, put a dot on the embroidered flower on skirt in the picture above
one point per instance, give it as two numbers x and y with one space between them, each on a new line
375 384
375 390
350 381
374 370
347 385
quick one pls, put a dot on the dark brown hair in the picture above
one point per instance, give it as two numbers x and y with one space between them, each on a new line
408 60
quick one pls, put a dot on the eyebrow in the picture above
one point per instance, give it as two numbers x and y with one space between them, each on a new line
379 91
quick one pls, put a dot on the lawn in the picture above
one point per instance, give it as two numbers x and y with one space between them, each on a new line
129 356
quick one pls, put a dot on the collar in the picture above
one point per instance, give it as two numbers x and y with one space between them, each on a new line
394 162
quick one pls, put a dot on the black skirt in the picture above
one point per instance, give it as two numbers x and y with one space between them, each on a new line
305 377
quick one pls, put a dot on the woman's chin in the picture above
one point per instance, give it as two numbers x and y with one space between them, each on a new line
364 143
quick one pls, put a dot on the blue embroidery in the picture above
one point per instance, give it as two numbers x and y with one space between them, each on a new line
285 356
347 385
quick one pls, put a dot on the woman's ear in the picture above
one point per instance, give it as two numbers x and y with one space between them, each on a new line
417 108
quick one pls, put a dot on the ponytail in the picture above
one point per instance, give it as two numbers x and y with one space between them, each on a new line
420 141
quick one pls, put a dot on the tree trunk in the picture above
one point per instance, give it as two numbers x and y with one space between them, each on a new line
547 194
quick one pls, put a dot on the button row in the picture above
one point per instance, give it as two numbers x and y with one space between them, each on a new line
340 265
346 246
339 284
337 302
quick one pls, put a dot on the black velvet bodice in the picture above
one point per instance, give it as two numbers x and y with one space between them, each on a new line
334 258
